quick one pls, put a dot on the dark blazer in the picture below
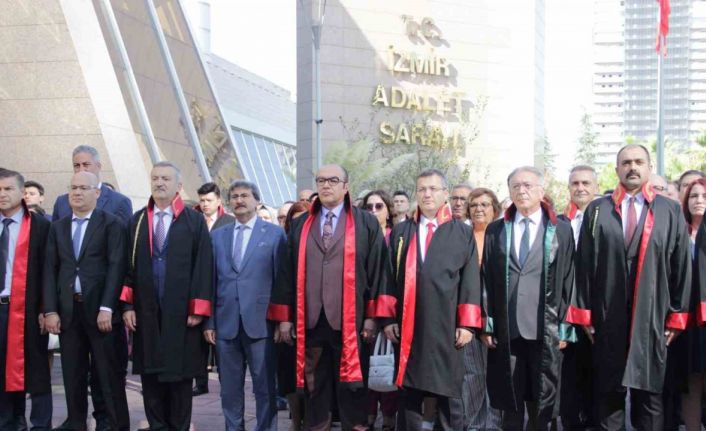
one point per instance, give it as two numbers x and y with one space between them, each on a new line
101 266
223 220
243 295
109 201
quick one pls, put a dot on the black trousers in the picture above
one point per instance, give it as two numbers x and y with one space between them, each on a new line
525 363
646 410
577 406
411 413
321 369
120 337
167 404
79 340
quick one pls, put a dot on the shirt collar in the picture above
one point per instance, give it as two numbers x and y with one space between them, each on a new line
167 210
16 217
250 223
639 198
86 217
336 210
535 217
423 221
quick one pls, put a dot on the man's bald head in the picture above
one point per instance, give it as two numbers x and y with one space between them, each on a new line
83 192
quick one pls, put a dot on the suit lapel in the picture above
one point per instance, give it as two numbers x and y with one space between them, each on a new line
514 258
103 198
340 228
228 239
65 226
257 233
316 232
93 222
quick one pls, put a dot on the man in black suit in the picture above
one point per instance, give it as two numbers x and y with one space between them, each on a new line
86 159
84 269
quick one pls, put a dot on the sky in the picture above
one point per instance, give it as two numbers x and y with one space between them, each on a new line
261 37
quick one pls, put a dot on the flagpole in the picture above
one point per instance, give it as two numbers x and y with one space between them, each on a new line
660 114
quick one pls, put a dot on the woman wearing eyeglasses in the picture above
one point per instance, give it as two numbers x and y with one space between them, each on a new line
379 204
483 208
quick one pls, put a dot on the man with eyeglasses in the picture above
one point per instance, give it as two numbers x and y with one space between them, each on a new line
528 274
23 339
166 296
633 285
85 158
282 213
84 271
330 272
459 202
431 304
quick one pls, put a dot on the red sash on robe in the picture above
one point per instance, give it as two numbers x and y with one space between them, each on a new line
410 293
350 371
15 358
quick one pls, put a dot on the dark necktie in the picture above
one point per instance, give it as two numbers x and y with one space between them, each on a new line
4 250
327 234
77 236
430 233
238 247
632 222
524 242
160 234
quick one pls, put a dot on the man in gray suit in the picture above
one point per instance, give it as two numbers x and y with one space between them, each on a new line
245 253
527 278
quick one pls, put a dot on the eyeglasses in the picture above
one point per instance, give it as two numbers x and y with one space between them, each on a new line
459 198
527 186
659 188
432 189
333 181
235 197
483 205
81 188
376 206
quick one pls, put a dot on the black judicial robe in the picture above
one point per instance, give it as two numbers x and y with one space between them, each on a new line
28 372
441 295
364 271
630 309
558 279
163 344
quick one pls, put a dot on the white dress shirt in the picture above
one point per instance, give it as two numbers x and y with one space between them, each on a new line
247 233
639 205
519 228
334 221
14 229
423 221
167 220
576 226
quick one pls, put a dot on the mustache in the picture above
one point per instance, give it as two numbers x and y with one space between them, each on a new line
633 172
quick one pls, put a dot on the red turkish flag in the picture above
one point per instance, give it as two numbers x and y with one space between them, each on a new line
663 27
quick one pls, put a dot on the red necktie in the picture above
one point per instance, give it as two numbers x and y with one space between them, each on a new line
632 222
430 233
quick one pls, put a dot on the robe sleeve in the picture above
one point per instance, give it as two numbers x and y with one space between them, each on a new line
51 263
282 300
117 256
487 283
201 288
468 308
699 275
388 294
375 268
680 276
127 292
567 332
578 308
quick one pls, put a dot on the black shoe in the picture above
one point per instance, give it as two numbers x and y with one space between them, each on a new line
102 425
198 391
144 429
65 427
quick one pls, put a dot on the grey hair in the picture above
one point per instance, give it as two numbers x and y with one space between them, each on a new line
88 150
462 186
434 172
243 184
168 164
530 169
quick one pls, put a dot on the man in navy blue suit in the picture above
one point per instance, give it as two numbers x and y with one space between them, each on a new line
86 158
246 259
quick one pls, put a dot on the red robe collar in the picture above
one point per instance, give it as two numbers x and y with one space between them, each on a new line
15 371
571 210
409 304
350 370
619 194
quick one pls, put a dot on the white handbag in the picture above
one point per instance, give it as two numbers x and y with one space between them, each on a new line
381 376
